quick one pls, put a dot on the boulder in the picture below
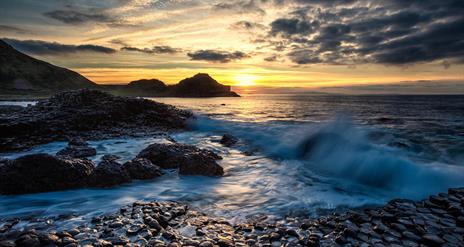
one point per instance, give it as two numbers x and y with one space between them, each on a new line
141 168
228 140
189 159
108 173
42 172
110 157
195 164
77 148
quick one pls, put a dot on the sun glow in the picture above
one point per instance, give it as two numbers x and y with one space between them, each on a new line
245 80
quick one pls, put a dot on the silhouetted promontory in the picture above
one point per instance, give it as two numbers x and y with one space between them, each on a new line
22 76
200 85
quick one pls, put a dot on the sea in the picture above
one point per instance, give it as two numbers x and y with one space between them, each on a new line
298 155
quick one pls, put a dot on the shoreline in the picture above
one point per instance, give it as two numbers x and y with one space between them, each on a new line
435 221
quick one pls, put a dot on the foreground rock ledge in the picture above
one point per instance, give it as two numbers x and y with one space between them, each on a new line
86 113
436 221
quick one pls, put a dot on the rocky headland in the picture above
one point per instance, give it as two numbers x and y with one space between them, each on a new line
200 85
86 113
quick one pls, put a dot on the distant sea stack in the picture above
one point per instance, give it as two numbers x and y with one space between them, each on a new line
21 74
199 86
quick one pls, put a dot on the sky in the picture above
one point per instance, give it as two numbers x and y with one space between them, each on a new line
402 46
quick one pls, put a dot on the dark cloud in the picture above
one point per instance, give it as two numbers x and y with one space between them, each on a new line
154 50
363 31
52 48
293 26
217 56
12 29
273 58
247 26
241 7
76 17
119 42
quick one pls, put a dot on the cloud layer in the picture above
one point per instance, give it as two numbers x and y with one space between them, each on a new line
40 47
362 31
217 56
153 50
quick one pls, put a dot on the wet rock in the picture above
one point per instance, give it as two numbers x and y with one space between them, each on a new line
189 159
110 157
108 174
432 240
206 244
6 243
77 148
228 140
28 240
171 155
68 240
48 238
141 168
197 165
43 172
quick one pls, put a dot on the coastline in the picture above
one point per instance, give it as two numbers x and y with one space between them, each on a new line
436 221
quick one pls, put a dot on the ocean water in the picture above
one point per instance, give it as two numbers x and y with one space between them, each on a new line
299 155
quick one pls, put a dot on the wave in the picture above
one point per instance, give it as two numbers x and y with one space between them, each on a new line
339 150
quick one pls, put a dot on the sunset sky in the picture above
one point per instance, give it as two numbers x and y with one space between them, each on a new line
316 44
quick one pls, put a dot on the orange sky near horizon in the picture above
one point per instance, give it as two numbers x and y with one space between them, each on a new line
276 44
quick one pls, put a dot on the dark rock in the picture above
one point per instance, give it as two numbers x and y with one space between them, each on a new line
110 157
141 168
77 148
43 172
48 239
198 165
6 243
228 140
108 174
189 159
89 114
153 223
28 240
432 240
206 244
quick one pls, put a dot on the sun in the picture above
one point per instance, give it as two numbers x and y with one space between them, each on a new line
245 80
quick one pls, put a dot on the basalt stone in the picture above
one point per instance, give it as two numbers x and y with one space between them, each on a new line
432 240
198 165
77 148
6 243
28 240
189 159
171 155
43 172
108 174
228 140
141 168
206 244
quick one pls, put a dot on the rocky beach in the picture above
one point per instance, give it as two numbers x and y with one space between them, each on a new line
82 115
436 221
